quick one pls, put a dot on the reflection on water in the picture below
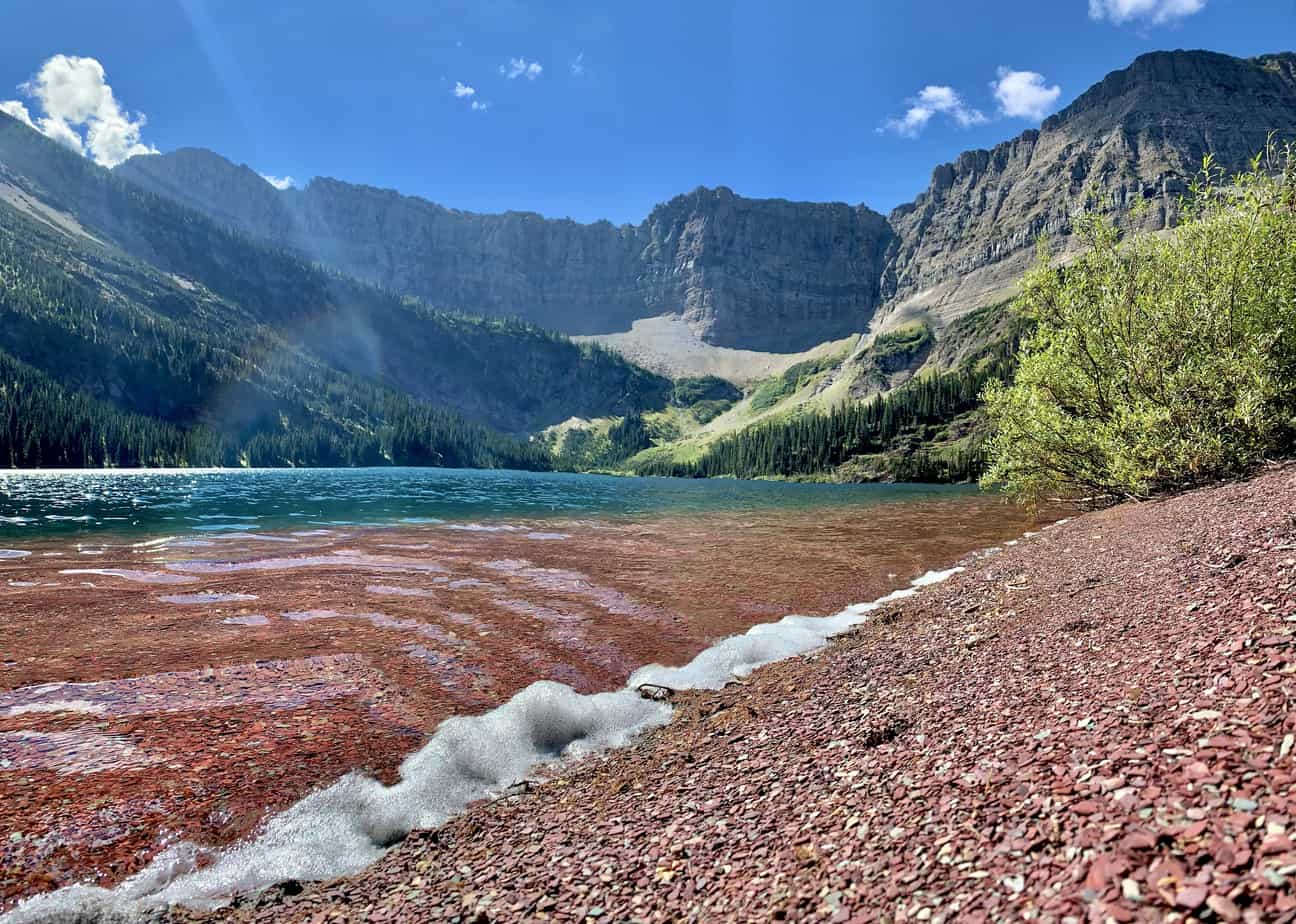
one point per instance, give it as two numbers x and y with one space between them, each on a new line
308 646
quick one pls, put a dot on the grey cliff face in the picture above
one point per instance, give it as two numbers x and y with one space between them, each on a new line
1137 136
763 274
757 274
771 274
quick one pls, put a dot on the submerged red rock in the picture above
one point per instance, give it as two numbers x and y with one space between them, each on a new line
186 688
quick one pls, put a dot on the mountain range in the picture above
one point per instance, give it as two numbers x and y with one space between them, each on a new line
803 305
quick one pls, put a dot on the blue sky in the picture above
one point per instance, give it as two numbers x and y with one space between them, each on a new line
608 108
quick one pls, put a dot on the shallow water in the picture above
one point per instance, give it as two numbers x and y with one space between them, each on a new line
327 621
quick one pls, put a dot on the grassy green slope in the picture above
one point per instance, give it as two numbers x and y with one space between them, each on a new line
905 406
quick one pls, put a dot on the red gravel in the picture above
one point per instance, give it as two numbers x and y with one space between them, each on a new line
1095 724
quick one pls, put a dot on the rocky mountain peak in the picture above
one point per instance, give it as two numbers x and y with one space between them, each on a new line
1139 134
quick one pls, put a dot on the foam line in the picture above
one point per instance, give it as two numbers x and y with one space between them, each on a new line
345 827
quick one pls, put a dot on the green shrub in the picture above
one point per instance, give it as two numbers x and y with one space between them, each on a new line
690 391
788 382
899 348
1162 361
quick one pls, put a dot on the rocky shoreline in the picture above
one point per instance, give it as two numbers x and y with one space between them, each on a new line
1093 724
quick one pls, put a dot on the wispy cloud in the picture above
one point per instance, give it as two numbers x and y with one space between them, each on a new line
1024 94
279 182
931 101
76 107
577 65
521 67
464 91
1155 12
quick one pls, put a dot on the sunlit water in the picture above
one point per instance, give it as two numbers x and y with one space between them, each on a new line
80 502
188 652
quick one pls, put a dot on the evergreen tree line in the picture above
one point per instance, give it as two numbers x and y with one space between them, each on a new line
46 425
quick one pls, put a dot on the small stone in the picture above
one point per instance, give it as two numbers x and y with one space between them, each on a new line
1015 884
1137 840
1191 897
1130 890
1224 908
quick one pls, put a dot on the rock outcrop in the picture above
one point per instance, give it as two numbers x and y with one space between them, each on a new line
1139 135
763 274
768 274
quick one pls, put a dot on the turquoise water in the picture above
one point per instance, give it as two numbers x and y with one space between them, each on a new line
38 504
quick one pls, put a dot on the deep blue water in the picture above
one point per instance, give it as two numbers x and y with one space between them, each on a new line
39 504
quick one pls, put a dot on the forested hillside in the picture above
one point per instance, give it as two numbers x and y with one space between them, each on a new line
509 375
105 362
124 313
928 429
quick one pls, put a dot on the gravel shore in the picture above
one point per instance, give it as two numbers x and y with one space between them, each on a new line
1093 724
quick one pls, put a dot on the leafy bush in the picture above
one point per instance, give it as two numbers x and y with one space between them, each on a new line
791 380
690 391
899 348
1162 361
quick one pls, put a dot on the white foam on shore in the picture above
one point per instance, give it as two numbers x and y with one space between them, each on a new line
342 829
13 553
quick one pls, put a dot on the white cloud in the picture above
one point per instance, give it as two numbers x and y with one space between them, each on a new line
1157 12
279 182
17 110
1024 94
77 108
463 91
577 65
930 101
521 67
